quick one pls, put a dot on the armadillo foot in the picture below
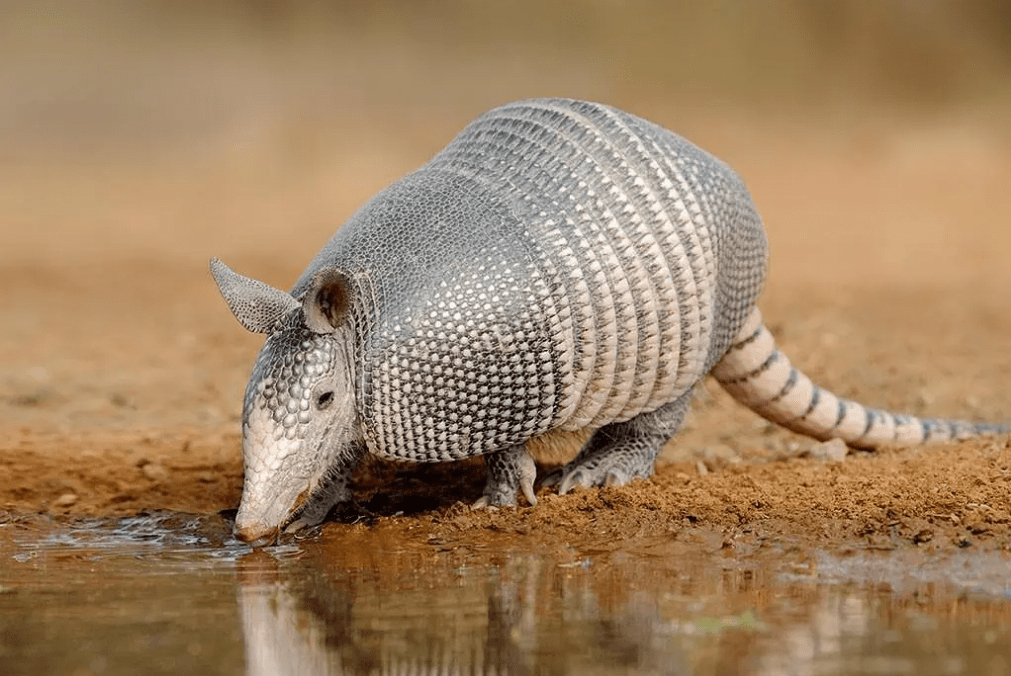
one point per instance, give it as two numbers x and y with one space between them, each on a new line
578 478
332 491
581 477
607 462
510 471
619 453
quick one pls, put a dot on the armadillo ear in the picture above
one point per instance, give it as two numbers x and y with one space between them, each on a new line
325 305
258 306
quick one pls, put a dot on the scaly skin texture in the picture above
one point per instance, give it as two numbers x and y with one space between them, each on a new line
560 264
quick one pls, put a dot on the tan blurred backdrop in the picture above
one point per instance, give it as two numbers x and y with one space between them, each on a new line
137 139
89 79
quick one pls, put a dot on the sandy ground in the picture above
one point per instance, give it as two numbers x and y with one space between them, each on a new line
121 370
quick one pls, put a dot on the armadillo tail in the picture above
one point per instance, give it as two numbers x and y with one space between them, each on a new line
759 376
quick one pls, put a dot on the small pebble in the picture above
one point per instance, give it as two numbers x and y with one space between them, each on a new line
833 450
154 471
65 500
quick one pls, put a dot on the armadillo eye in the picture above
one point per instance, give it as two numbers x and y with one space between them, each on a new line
324 400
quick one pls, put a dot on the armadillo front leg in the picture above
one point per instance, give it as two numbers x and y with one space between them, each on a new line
509 471
333 489
620 452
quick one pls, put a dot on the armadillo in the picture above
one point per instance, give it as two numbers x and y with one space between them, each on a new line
560 264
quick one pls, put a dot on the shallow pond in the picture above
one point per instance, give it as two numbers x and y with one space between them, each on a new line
173 593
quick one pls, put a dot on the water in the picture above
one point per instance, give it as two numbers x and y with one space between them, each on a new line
173 594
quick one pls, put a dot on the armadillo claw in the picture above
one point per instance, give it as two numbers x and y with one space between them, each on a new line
572 480
527 486
299 524
613 479
510 472
500 496
483 502
599 476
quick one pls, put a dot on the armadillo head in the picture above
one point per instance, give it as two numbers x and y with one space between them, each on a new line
300 432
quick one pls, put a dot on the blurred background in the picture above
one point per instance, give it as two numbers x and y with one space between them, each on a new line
139 138
285 87
90 80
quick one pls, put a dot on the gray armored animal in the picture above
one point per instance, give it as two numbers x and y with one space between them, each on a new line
560 264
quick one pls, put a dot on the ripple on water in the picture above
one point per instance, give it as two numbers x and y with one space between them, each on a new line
176 593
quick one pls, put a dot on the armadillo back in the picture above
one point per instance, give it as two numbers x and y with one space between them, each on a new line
559 264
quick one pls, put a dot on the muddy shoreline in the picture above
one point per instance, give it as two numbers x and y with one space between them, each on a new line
931 500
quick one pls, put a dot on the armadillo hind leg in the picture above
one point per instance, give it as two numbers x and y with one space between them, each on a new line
509 471
620 452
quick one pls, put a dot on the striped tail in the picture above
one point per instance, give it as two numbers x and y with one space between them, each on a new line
759 376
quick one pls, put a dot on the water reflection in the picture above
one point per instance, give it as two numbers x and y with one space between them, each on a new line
521 618
175 594
615 613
